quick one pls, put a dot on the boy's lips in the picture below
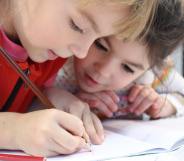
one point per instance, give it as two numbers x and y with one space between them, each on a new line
52 55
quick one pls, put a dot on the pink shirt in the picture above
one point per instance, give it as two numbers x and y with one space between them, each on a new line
17 52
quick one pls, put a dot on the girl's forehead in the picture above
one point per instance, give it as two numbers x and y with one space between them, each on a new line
132 51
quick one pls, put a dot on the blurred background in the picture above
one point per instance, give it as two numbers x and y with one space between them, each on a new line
178 59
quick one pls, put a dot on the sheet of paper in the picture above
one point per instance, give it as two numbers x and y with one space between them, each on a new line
148 131
115 146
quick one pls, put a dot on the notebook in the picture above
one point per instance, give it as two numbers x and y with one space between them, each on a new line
163 134
126 138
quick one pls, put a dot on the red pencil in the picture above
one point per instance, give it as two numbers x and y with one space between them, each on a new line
13 157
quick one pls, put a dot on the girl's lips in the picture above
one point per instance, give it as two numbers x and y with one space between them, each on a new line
90 81
52 55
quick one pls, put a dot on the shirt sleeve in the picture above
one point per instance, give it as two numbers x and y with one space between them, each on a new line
65 78
177 101
171 86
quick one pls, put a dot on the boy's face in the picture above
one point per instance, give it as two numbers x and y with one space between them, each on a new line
111 65
61 28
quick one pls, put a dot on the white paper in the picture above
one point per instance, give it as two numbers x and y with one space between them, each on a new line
152 132
115 146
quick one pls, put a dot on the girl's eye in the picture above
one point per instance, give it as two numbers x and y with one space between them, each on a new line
127 69
75 27
100 46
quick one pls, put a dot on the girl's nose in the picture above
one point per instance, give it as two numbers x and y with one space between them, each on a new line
105 68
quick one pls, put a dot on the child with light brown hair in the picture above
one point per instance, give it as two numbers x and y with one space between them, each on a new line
133 74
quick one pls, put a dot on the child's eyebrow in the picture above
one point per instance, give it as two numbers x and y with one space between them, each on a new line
90 19
137 65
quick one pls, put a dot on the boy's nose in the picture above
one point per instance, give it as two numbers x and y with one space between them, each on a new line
79 51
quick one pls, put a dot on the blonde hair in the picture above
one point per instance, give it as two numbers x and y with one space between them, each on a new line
138 22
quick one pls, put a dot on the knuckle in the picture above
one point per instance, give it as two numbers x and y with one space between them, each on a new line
139 87
144 93
150 98
52 112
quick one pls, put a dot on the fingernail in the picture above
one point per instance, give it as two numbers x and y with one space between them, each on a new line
87 147
117 99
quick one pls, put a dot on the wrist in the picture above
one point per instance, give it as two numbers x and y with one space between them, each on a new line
8 128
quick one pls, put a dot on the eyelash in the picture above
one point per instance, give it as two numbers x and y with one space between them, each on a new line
100 46
75 27
127 69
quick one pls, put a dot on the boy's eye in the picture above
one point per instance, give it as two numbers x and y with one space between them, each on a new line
127 68
75 27
100 46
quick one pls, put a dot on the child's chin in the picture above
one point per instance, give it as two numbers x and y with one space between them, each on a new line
90 89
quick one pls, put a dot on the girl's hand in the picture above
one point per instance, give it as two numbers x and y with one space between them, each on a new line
143 98
92 124
49 133
67 102
105 101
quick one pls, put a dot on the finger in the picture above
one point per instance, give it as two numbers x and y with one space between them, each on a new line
108 101
86 97
95 102
146 104
140 97
70 122
58 148
135 90
89 126
102 108
90 99
113 95
99 128
67 143
155 110
77 109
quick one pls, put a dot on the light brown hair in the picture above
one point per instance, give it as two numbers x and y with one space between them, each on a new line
138 22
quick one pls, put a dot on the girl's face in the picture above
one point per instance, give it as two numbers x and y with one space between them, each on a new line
111 65
61 28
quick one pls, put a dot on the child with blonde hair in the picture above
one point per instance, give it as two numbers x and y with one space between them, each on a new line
38 36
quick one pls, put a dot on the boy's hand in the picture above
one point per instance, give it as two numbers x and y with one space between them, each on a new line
67 102
48 133
105 101
143 98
